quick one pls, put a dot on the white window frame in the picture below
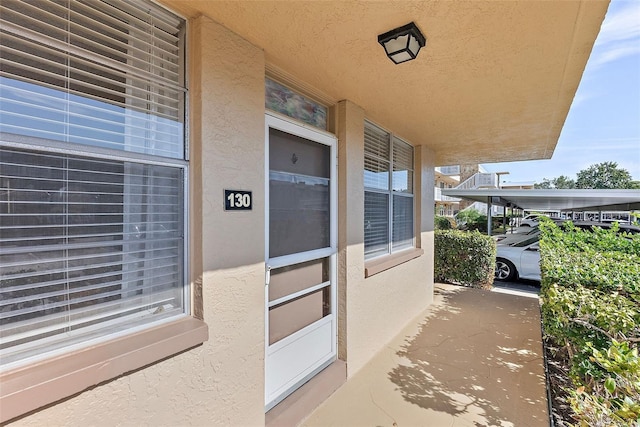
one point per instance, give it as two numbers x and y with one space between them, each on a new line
390 192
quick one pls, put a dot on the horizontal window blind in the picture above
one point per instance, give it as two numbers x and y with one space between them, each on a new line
102 73
376 142
388 182
402 166
85 241
376 158
402 236
376 223
91 242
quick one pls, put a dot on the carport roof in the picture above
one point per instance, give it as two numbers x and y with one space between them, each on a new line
563 200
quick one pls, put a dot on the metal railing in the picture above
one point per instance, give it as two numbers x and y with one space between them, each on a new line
439 197
480 180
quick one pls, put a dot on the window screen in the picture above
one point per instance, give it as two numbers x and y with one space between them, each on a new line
299 194
92 171
388 197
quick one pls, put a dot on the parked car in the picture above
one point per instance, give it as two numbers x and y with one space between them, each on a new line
531 220
505 239
521 258
521 233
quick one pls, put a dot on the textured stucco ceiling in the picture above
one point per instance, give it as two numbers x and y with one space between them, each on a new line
494 82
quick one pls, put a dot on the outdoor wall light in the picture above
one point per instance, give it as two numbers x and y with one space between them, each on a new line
402 44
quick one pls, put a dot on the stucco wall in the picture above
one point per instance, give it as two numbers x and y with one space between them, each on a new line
221 382
373 310
233 153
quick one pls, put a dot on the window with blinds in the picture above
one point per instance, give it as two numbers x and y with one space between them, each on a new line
388 196
92 171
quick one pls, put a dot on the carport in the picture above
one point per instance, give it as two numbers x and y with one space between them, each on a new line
561 200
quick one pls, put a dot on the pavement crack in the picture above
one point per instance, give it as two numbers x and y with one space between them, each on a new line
395 424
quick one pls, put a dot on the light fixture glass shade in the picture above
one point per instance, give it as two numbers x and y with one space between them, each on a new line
402 44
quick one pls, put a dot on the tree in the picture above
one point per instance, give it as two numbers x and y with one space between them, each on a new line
605 175
544 185
468 215
560 182
564 182
471 219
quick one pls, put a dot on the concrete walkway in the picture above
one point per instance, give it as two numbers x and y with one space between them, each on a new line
474 358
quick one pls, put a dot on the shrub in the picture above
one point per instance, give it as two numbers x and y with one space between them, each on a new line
465 258
581 318
591 307
616 400
572 239
443 223
601 259
471 219
606 272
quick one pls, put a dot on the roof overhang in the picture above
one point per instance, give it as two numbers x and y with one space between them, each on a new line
561 200
494 82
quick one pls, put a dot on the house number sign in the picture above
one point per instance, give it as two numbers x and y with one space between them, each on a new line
237 200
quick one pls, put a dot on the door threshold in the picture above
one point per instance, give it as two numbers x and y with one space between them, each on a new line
299 404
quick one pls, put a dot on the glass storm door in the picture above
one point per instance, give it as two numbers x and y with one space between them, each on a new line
300 255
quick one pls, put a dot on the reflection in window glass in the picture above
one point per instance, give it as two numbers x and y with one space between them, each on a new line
376 173
40 112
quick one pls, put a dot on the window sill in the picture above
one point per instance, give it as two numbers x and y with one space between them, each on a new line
30 387
386 262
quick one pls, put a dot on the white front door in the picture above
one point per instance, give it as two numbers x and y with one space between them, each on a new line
300 256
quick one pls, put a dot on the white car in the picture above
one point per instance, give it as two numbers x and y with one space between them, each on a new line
518 235
518 260
531 220
521 259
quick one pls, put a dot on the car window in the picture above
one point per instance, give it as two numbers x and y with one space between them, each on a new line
526 242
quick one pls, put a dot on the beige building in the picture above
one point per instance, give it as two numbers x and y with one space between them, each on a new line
446 205
205 204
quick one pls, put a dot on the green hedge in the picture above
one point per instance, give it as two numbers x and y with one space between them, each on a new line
607 272
590 295
464 258
604 260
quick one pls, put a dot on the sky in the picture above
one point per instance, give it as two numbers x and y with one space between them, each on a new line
604 119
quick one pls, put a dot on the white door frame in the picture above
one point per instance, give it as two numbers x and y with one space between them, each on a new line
329 322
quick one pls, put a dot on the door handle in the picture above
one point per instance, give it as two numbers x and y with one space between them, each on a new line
267 275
